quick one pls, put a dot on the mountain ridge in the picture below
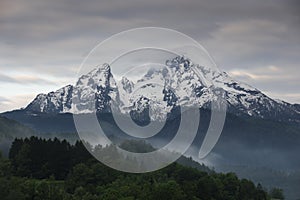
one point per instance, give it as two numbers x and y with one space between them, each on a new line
98 91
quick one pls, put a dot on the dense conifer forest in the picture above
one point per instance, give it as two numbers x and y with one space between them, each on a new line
51 169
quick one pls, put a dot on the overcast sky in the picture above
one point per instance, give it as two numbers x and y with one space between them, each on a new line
42 42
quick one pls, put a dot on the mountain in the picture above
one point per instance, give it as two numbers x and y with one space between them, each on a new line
258 132
98 91
254 122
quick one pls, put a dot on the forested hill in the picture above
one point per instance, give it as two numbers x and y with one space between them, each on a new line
10 129
54 169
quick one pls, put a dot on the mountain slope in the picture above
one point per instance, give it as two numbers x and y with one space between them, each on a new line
10 129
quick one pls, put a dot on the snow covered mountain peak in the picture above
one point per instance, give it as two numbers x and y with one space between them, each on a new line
179 83
58 101
94 91
179 63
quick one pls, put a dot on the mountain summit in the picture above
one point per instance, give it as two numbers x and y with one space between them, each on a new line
98 90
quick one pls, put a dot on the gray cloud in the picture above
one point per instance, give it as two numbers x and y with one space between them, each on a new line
25 79
4 78
52 37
